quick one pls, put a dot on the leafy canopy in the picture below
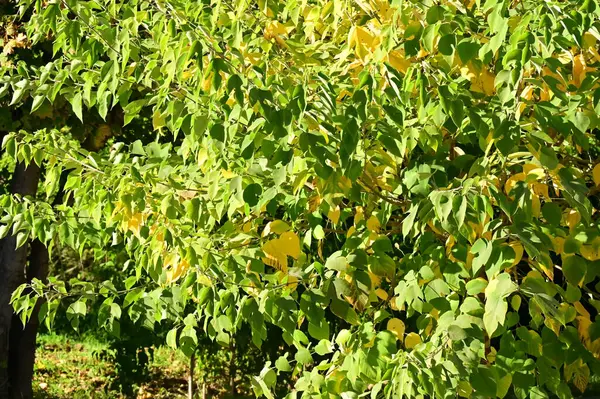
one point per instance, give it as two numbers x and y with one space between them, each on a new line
425 171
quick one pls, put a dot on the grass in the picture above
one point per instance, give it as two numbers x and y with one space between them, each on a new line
71 368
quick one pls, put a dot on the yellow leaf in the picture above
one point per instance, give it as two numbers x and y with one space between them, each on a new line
275 29
573 219
518 248
579 69
175 271
279 226
596 174
541 190
397 60
393 304
396 326
381 294
290 244
527 93
482 81
334 214
274 256
412 340
134 224
351 231
227 174
373 224
359 216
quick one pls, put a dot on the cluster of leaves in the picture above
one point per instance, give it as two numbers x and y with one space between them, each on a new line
421 171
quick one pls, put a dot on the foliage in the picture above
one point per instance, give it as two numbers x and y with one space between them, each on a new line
423 173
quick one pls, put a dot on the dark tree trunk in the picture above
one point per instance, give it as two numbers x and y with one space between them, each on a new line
23 341
12 272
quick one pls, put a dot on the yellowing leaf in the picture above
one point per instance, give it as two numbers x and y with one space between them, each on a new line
503 384
515 302
412 340
291 282
274 255
540 189
536 206
204 280
279 226
512 181
596 174
373 224
464 389
581 310
158 120
334 214
559 244
590 252
579 373
396 326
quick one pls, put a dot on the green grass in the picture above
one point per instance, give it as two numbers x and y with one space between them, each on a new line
71 368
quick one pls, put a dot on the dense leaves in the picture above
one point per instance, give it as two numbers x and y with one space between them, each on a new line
424 172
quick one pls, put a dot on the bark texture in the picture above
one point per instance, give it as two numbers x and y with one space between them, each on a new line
12 271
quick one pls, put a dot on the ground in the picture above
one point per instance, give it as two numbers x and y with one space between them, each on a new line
71 368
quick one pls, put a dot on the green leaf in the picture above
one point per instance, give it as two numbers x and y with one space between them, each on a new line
303 356
574 268
495 305
552 213
318 232
252 194
283 364
484 382
76 104
172 338
342 310
467 50
455 333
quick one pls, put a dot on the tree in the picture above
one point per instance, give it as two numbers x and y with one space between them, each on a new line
423 171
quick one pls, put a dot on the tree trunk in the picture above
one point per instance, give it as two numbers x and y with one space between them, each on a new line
12 269
232 369
23 341
191 377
